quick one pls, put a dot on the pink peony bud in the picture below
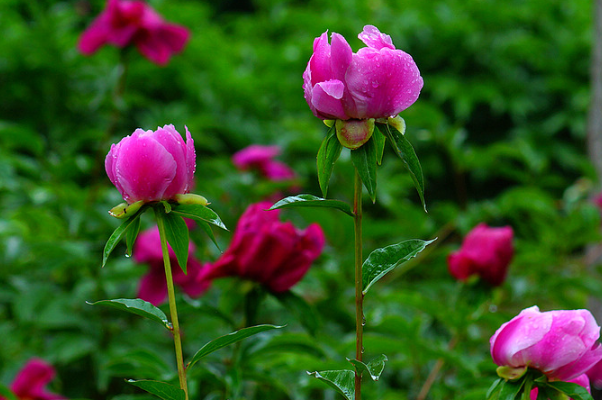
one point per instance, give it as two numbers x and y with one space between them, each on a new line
561 344
485 252
152 166
30 383
581 380
126 22
153 287
378 81
262 158
268 251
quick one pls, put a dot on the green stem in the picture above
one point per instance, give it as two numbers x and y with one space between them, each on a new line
172 304
359 296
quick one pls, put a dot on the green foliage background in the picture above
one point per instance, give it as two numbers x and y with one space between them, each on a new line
499 129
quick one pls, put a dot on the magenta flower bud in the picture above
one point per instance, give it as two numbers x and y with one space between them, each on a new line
581 380
379 81
153 286
152 166
485 252
261 158
30 383
127 22
268 251
562 344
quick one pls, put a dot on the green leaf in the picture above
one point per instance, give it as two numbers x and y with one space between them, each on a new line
342 381
494 388
118 234
307 200
364 160
379 143
374 367
7 393
383 260
177 236
306 314
205 226
198 212
406 152
162 390
228 339
510 390
328 154
572 390
138 307
132 234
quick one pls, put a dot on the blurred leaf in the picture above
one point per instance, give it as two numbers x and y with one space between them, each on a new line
510 390
7 393
342 381
495 388
307 200
177 234
572 390
138 307
228 339
364 159
199 213
118 234
328 154
287 343
374 367
162 390
406 152
381 261
305 313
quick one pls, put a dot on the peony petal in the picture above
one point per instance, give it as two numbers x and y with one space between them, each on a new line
153 286
326 99
173 143
372 37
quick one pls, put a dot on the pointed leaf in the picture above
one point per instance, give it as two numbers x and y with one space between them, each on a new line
131 235
494 389
364 161
572 390
228 339
138 307
198 212
162 390
307 200
305 313
510 390
177 236
205 226
383 260
328 154
379 142
342 381
118 234
374 367
406 152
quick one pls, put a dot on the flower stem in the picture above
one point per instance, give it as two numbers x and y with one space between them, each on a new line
173 311
359 295
435 371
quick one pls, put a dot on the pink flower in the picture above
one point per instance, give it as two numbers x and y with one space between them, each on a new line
152 166
485 252
153 287
126 22
378 81
268 251
581 380
595 375
262 158
561 344
30 382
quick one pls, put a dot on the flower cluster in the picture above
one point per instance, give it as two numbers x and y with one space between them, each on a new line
30 383
126 22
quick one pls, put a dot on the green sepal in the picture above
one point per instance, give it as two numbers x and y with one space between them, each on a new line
307 200
511 373
138 307
383 260
125 210
177 235
364 160
228 339
328 154
191 198
119 232
342 381
403 148
162 390
374 368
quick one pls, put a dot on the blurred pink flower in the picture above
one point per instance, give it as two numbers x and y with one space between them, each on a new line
581 380
30 383
379 81
485 252
153 287
126 22
261 158
152 166
595 375
562 344
273 253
